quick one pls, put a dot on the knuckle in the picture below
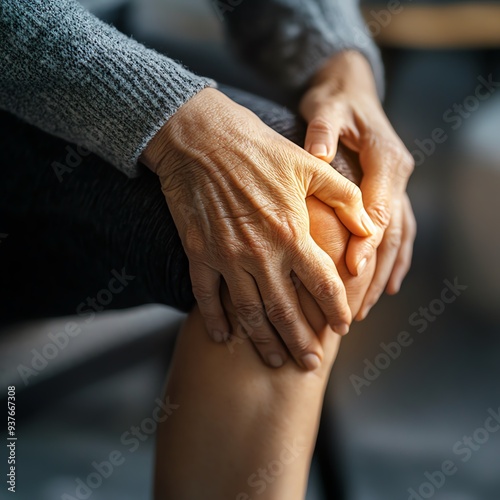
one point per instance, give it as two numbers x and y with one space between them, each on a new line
396 155
406 163
260 337
284 233
256 249
326 290
371 245
251 314
393 238
299 249
380 213
352 194
319 124
229 252
283 315
399 156
288 227
298 345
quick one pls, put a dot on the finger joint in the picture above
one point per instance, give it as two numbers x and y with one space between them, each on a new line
282 315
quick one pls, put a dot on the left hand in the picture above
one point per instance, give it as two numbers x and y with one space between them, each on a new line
341 103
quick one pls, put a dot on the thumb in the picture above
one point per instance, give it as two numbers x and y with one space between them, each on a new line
322 138
342 195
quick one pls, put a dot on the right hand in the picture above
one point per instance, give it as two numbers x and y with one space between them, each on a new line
237 193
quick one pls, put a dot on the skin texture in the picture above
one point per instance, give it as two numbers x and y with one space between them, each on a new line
238 417
341 103
244 430
236 190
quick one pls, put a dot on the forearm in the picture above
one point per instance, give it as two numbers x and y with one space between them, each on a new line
76 77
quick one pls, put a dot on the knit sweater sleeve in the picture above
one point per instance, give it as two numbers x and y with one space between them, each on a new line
76 77
290 39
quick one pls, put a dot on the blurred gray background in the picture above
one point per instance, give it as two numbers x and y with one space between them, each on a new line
374 445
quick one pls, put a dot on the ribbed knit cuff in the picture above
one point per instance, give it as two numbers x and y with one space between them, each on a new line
76 77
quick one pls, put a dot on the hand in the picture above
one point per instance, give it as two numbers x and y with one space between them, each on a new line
394 255
236 191
342 103
330 234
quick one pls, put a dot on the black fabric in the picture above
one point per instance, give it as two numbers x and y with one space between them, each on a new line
69 235
66 235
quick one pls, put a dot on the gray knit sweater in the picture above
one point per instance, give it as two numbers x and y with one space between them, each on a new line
76 77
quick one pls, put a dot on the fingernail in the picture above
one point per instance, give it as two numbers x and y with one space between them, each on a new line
311 361
319 149
341 328
368 223
362 265
217 335
275 360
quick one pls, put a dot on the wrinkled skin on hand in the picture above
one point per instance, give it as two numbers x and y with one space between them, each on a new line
236 190
331 235
341 104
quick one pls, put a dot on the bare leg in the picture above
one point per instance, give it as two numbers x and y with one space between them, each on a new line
244 430
241 428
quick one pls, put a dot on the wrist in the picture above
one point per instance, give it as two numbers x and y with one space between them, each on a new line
345 71
187 118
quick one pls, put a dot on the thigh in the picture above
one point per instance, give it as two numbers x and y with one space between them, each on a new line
77 226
